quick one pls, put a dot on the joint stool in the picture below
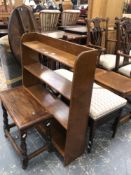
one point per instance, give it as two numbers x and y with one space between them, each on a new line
26 113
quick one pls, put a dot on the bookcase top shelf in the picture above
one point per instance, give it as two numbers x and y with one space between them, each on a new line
61 51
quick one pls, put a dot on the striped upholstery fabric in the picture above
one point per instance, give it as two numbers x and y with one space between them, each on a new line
49 20
70 17
103 101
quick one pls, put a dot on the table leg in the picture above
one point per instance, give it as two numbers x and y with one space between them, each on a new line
5 120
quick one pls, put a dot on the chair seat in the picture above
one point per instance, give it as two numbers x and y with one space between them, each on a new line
108 61
125 70
65 73
103 101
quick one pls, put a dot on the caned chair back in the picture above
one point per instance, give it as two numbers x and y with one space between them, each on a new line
70 17
49 20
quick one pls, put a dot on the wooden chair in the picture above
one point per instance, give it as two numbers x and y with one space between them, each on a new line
124 33
98 38
49 20
70 17
105 105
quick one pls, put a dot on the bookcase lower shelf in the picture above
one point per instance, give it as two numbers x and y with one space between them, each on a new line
43 97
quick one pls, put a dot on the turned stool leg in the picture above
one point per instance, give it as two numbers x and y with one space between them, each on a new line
23 136
5 120
91 136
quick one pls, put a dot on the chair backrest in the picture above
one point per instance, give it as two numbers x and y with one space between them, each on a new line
70 17
49 20
124 34
96 28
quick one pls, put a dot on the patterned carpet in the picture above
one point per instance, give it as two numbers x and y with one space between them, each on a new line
2 80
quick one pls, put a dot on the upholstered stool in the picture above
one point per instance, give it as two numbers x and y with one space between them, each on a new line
49 20
105 105
70 17
26 113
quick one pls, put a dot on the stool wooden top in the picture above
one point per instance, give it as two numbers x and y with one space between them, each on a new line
23 108
115 82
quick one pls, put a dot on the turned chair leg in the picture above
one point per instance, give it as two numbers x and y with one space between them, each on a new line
5 120
91 136
116 122
23 136
115 126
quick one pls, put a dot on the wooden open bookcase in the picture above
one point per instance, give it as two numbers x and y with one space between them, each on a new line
69 126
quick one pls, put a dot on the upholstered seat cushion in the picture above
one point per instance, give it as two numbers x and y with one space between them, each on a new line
65 73
108 61
103 101
125 70
5 43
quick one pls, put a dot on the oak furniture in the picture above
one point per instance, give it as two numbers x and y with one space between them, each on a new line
105 105
26 113
124 34
97 37
24 21
78 29
67 119
65 35
115 82
38 82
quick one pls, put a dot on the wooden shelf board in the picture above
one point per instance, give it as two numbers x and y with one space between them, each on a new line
57 82
52 52
57 108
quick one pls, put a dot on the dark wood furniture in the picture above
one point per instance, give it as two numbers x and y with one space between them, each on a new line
67 120
124 35
82 30
38 79
115 82
25 112
105 105
21 21
98 37
65 35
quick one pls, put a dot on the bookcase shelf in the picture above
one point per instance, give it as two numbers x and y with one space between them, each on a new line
57 82
70 123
